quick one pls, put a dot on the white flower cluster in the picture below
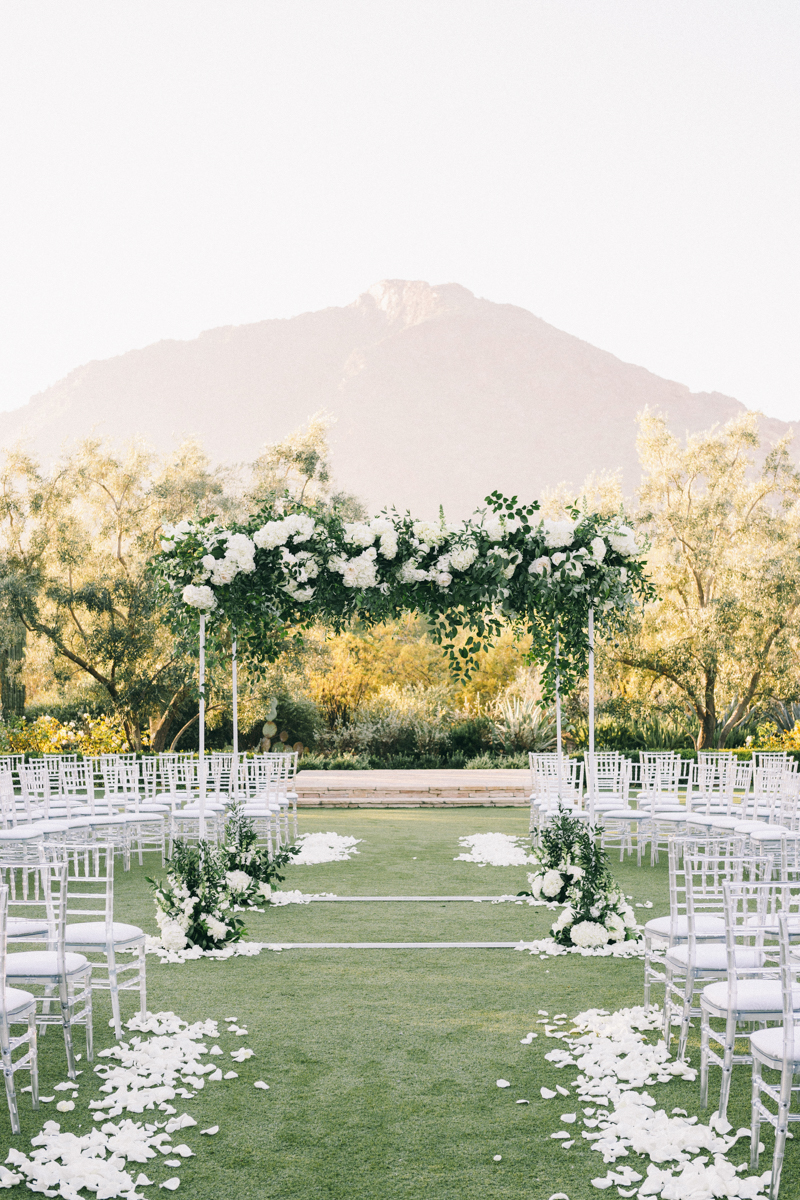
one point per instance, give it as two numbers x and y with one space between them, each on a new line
199 596
172 534
298 570
358 572
237 559
296 526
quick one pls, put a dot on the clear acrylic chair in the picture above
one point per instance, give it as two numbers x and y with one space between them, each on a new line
55 970
660 933
778 1049
695 962
751 992
90 894
17 1007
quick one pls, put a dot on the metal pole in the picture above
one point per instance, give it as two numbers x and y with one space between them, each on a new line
591 680
558 719
235 686
590 780
202 727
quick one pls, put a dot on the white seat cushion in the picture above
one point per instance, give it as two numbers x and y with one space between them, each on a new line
704 926
626 814
20 833
42 964
768 1043
93 933
673 818
752 995
18 926
713 957
773 833
17 999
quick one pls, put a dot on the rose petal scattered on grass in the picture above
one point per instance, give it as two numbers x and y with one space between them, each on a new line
230 1075
498 1158
142 1181
569 1118
65 1105
211 1129
546 1094
171 1184
503 1083
263 1087
523 1102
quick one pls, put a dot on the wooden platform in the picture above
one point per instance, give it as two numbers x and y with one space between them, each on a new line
413 789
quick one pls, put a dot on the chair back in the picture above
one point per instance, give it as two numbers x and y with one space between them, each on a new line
752 935
90 884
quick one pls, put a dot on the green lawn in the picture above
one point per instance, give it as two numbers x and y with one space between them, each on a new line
382 1064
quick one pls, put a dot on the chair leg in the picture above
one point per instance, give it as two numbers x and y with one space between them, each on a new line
781 1130
647 953
727 1066
33 1049
686 1016
66 1021
755 1114
142 983
114 989
8 1077
704 1026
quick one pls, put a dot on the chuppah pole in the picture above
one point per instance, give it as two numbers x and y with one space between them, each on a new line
559 745
202 725
235 689
589 781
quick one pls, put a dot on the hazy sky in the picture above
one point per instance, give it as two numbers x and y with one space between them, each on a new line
625 169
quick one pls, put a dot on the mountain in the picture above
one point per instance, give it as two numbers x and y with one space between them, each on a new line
440 397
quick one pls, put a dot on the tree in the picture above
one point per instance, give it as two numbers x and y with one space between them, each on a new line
725 535
299 466
75 541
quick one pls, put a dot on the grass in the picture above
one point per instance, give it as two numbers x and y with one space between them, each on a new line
382 1064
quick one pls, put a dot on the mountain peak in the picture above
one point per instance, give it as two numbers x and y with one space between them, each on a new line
410 302
440 397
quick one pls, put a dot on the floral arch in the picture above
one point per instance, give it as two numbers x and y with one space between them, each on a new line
288 565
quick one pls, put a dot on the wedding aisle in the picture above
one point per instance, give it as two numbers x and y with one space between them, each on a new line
382 1066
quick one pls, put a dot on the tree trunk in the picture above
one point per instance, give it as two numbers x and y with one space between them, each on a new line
160 726
708 716
134 734
12 689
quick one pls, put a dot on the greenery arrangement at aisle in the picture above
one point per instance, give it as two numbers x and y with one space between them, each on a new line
206 884
572 869
289 565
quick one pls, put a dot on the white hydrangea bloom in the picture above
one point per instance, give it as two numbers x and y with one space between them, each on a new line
217 929
493 526
358 533
273 534
410 572
200 597
430 532
558 533
241 551
552 883
361 571
573 568
172 936
598 548
623 540
444 579
462 558
300 527
588 935
238 881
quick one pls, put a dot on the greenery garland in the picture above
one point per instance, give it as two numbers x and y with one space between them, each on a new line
572 869
289 565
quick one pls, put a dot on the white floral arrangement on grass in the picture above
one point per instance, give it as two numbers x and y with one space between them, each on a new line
206 885
572 869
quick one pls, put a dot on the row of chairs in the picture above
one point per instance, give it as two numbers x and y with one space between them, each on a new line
50 964
731 957
144 804
759 799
